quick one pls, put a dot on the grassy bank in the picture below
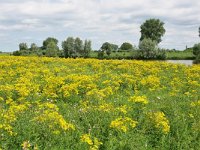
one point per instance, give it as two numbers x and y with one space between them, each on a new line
53 103
171 55
5 53
181 55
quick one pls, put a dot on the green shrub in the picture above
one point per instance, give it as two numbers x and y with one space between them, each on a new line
100 54
16 53
197 60
196 52
196 49
126 46
148 49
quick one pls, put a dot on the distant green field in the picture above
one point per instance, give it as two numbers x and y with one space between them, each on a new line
180 55
5 53
177 55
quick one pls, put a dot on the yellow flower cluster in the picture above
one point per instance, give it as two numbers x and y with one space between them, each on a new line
123 124
9 116
160 121
94 144
197 103
48 114
26 145
139 99
152 82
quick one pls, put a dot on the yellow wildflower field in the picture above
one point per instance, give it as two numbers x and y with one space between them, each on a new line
54 103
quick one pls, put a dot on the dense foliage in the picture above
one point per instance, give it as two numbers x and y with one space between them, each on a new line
196 49
53 103
107 48
126 46
148 49
196 52
152 29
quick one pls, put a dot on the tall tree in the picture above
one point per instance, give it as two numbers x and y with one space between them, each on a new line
114 47
196 52
87 48
196 49
152 29
49 40
33 47
126 46
78 45
107 47
68 47
23 46
51 49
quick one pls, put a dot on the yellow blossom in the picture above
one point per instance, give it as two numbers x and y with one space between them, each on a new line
139 99
94 143
123 124
160 121
26 145
197 103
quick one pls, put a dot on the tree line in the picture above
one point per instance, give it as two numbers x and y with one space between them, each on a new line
71 47
152 31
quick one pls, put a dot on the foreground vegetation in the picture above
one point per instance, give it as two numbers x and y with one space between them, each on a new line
53 103
181 55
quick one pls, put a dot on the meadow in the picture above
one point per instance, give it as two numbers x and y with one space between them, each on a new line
90 104
181 55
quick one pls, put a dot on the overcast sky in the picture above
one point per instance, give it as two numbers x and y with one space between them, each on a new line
114 21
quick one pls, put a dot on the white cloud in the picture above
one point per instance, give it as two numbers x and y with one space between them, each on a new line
99 20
